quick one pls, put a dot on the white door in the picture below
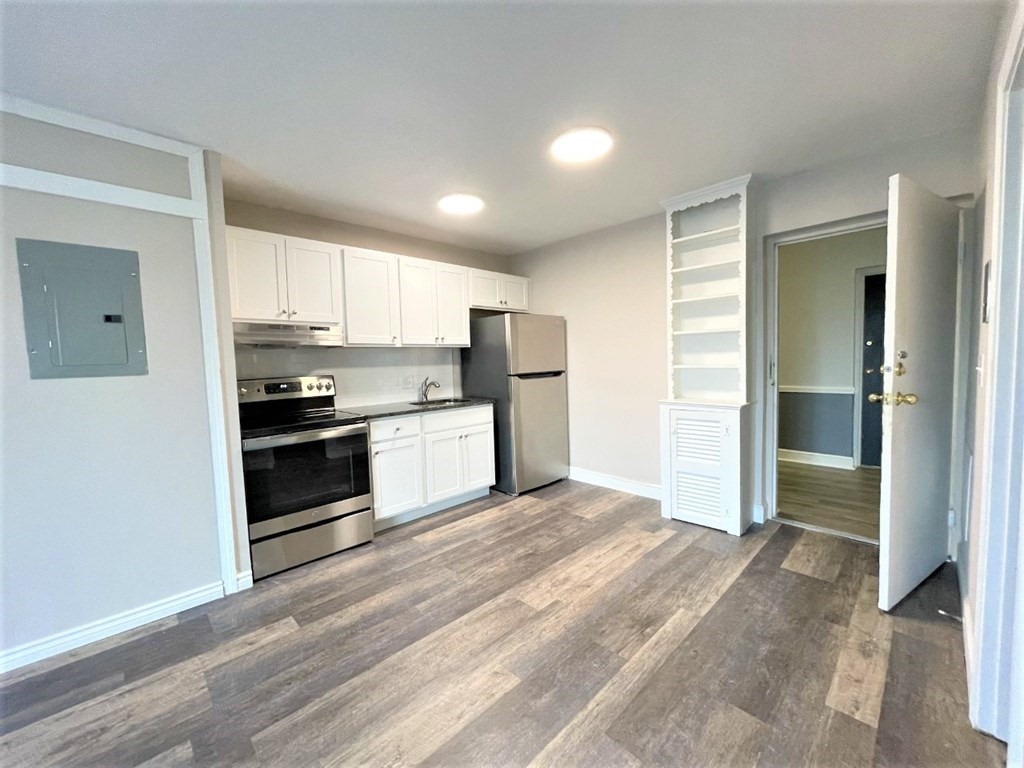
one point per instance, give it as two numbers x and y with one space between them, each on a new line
371 297
314 281
920 327
477 457
516 293
443 465
418 290
485 289
452 305
257 272
397 477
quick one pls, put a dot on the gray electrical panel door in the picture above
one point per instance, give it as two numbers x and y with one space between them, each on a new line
83 310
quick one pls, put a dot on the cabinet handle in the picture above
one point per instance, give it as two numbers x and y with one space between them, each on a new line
295 311
442 339
394 339
435 339
376 453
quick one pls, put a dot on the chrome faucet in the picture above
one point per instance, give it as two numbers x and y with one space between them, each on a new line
424 394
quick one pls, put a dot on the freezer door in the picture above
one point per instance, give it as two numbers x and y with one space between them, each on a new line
536 343
540 430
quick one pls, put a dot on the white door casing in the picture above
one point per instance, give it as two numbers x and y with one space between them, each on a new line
920 328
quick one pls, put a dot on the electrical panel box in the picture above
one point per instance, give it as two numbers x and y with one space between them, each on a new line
83 310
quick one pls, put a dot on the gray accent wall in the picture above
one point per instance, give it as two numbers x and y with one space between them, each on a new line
816 422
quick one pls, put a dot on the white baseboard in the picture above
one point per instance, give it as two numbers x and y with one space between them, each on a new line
646 490
70 639
415 514
244 580
759 514
817 459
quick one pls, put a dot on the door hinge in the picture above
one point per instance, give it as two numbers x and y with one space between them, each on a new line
952 518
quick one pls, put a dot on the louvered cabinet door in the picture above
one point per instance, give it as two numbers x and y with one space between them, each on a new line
704 467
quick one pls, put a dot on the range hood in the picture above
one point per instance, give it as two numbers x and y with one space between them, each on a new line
271 335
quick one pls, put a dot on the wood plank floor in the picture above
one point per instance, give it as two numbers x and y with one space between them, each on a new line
838 499
570 627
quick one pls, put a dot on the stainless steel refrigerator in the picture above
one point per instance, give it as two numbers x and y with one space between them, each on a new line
519 361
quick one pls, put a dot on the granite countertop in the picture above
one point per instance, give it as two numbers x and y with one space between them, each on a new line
409 409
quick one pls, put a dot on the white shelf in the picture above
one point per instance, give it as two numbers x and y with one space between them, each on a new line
711 297
706 330
709 265
707 367
711 234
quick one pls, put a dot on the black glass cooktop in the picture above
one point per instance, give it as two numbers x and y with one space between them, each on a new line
259 420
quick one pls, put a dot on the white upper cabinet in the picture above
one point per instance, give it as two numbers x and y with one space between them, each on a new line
435 303
494 290
372 310
453 305
280 279
314 281
418 290
257 272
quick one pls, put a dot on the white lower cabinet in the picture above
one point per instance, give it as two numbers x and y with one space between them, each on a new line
397 477
442 453
706 465
420 462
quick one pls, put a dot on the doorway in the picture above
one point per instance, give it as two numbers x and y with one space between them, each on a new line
830 335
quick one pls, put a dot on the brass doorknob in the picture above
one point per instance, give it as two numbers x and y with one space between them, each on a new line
876 397
907 399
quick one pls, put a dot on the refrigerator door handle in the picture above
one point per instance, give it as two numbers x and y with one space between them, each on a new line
546 375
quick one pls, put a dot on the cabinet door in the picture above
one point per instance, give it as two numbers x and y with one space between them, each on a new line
418 290
453 305
485 289
443 464
397 477
371 297
516 293
700 446
478 457
257 273
314 281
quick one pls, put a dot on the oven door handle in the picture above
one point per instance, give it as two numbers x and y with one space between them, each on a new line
293 438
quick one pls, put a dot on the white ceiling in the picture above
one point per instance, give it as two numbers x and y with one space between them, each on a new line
368 113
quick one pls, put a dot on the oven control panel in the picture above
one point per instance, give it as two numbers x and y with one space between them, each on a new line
256 390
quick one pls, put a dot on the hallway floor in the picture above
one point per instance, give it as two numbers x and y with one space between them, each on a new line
837 499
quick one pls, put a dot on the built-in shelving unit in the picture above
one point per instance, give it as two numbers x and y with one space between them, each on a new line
706 427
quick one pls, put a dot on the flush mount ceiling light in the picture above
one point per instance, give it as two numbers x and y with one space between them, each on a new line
581 145
460 204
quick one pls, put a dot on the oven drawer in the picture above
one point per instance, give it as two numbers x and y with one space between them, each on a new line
291 549
393 429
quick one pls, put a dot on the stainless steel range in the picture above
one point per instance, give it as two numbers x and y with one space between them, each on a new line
307 472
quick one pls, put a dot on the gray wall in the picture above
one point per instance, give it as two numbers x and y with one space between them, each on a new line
107 495
252 216
816 422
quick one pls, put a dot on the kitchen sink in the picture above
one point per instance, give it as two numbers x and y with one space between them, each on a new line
447 401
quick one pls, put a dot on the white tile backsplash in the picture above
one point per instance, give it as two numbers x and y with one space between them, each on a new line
362 376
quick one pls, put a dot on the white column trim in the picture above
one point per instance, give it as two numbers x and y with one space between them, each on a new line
33 180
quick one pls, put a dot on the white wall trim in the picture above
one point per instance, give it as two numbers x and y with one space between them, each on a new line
244 580
817 459
812 390
647 490
33 111
34 180
766 340
70 639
